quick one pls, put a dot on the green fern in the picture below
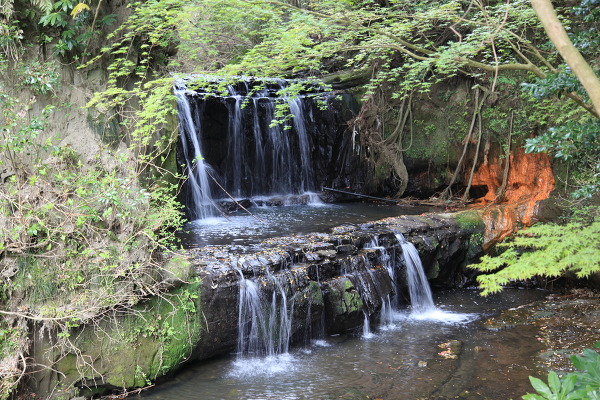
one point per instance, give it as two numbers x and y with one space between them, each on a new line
547 250
45 6
7 6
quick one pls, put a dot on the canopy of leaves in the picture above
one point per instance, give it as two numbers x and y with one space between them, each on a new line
419 41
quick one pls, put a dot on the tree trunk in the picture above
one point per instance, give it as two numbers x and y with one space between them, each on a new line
557 34
500 193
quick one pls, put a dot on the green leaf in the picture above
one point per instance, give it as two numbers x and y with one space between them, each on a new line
554 382
540 387
568 383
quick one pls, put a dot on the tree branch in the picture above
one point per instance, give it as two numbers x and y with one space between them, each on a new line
557 34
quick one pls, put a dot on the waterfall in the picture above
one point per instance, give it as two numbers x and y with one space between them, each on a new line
297 110
386 316
199 200
249 155
389 303
418 287
264 326
366 330
236 143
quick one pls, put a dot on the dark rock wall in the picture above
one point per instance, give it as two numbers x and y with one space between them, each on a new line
334 162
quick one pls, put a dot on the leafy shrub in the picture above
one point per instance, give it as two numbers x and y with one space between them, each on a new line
582 384
42 77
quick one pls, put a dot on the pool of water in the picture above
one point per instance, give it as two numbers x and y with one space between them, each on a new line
401 360
265 222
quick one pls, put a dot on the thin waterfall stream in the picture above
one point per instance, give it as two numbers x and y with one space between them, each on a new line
421 299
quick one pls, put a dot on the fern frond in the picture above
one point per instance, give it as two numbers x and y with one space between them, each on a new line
548 250
6 8
45 6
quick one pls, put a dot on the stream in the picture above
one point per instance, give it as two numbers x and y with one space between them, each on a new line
443 354
242 228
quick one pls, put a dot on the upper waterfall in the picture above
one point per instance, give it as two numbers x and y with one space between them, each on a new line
248 141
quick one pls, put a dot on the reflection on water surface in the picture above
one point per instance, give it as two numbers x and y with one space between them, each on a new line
266 222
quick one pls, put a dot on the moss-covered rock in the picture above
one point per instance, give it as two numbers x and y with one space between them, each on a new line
132 349
343 304
177 270
471 222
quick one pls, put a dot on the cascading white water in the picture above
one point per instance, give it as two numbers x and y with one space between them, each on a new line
388 303
418 287
200 203
259 158
386 316
297 110
264 327
236 143
366 331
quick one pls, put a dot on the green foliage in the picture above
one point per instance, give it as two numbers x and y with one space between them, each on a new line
67 26
72 26
82 239
577 139
11 341
42 77
579 143
579 385
554 84
10 41
543 250
18 131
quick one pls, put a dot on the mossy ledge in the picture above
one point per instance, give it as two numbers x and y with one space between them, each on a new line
126 350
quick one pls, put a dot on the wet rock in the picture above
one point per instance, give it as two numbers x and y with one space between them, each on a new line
155 337
310 257
327 253
275 202
547 355
450 349
231 206
343 305
345 249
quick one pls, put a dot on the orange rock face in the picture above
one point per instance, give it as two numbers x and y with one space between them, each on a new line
530 180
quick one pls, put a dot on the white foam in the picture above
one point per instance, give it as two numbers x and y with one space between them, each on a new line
209 221
263 366
445 317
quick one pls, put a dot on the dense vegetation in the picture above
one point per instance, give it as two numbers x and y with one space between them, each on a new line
96 229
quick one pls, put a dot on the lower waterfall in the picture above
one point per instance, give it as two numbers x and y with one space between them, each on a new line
264 320
419 290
